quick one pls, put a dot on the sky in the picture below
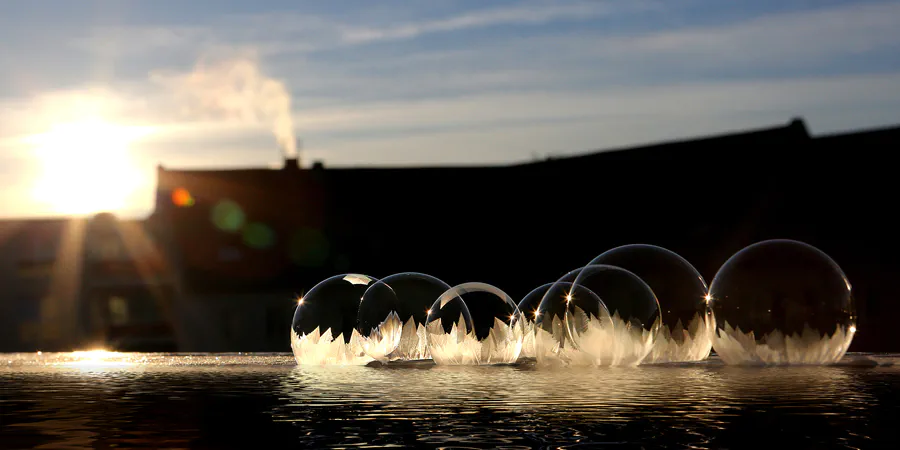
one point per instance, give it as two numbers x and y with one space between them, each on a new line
95 94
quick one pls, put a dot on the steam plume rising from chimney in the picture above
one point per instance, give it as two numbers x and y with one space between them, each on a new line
236 89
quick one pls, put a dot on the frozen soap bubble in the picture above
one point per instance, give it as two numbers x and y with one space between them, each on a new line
474 323
324 326
448 326
781 302
567 315
392 316
634 309
528 306
686 333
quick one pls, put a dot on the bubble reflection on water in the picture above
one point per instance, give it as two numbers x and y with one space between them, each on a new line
688 405
224 403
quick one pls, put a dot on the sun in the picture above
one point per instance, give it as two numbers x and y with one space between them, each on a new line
86 167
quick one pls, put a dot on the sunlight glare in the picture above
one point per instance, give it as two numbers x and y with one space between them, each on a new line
86 166
98 359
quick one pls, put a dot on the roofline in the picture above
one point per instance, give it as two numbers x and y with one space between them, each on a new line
334 168
881 129
796 123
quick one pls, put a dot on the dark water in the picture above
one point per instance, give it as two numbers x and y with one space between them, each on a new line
121 401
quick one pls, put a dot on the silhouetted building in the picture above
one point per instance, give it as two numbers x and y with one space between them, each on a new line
245 243
37 301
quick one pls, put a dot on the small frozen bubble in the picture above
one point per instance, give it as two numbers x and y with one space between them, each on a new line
449 334
392 316
474 323
324 326
378 322
634 309
568 318
686 333
781 302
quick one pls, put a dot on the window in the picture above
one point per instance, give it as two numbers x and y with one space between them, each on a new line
118 310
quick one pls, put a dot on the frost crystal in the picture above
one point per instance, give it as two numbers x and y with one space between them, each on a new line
316 349
680 344
807 347
502 345
392 340
609 342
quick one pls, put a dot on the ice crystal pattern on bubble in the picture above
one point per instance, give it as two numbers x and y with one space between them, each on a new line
601 342
392 340
323 349
691 343
807 347
458 347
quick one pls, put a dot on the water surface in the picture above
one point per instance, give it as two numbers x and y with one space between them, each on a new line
254 401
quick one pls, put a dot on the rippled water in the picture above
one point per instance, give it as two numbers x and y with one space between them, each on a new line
254 401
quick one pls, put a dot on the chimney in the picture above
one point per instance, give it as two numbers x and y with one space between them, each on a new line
291 164
799 125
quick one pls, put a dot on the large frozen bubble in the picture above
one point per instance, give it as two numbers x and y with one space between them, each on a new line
781 302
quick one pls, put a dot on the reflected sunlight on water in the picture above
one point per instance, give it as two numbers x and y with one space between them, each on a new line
157 400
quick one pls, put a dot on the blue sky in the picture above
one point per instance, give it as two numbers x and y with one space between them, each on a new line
438 82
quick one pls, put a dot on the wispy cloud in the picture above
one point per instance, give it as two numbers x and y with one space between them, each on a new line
522 14
857 27
112 41
780 99
291 32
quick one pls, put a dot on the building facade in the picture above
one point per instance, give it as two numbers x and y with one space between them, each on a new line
83 283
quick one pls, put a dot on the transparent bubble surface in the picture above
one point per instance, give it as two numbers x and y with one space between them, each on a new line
528 307
324 327
686 333
567 316
392 315
473 324
781 302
